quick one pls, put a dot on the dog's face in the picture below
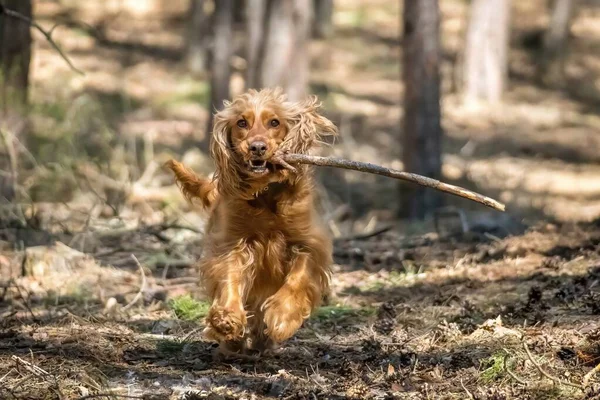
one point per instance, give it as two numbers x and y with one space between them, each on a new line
256 125
255 136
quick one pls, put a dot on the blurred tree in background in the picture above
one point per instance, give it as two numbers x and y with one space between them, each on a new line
15 56
197 36
221 60
552 66
486 51
422 131
323 20
279 32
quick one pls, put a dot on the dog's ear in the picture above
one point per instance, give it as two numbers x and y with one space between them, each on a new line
306 126
219 143
221 152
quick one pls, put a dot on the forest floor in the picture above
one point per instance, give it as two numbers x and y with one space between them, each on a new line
98 294
411 317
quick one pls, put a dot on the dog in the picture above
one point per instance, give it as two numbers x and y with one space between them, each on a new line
266 261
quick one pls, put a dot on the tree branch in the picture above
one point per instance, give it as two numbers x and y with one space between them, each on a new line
546 374
589 375
47 35
286 159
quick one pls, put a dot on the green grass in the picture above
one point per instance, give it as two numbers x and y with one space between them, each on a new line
339 313
494 367
189 309
395 278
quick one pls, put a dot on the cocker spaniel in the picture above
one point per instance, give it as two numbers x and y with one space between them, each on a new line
266 258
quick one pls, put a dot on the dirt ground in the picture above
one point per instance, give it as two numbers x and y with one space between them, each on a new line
98 294
411 317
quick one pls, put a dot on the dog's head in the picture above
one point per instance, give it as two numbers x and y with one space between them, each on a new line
255 125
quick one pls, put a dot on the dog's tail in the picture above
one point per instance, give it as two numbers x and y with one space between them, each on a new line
193 186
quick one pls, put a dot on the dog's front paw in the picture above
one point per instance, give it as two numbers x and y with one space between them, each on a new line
225 324
283 317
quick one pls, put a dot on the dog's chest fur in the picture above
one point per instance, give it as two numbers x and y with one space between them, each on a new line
270 196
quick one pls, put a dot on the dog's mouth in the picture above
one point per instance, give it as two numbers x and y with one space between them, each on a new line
259 167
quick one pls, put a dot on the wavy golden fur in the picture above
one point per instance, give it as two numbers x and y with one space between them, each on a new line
266 260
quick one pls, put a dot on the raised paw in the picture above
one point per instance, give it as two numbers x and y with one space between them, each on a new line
283 317
225 324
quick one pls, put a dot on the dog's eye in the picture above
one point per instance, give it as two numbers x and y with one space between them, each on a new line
274 123
242 123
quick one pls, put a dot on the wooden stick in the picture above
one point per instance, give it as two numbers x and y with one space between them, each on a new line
286 159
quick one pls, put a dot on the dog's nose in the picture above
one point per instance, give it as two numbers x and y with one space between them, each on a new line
258 148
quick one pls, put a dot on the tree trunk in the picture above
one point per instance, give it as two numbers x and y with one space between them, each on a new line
15 53
323 22
299 68
256 12
278 43
285 60
422 128
15 56
221 68
554 50
197 37
486 53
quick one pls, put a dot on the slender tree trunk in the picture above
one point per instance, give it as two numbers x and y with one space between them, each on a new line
256 12
285 60
239 11
422 127
486 58
278 44
197 37
15 53
221 68
554 50
15 56
299 68
323 22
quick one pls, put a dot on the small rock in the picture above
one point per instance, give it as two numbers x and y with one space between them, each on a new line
163 327
111 306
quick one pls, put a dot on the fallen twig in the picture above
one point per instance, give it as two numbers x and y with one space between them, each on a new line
47 35
469 394
190 334
26 302
546 374
140 293
286 159
34 369
589 375
365 235
509 372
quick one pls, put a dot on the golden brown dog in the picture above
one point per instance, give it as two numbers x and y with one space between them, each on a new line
266 261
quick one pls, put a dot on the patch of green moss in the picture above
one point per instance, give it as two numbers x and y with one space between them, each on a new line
338 313
188 309
494 367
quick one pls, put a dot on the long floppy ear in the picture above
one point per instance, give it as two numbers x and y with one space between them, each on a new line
306 126
225 168
219 142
